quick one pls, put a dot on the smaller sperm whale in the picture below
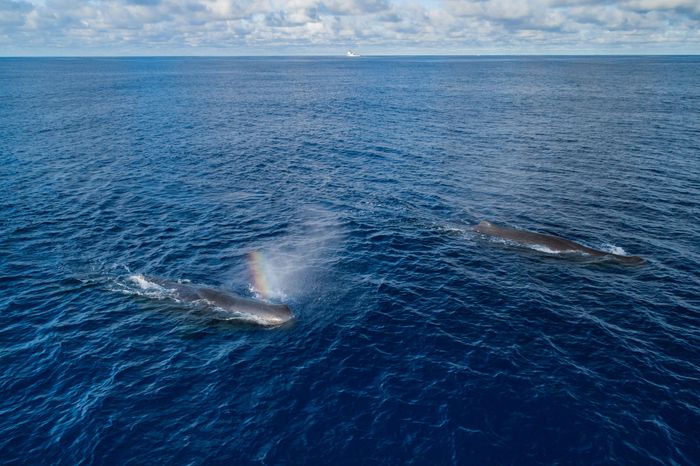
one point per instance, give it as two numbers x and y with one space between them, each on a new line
222 300
550 242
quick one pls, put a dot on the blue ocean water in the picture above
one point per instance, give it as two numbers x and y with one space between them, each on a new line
354 183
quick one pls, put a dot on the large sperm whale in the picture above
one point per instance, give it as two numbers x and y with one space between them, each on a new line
259 311
552 243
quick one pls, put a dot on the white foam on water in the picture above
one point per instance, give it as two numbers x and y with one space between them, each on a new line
138 285
144 283
236 316
535 247
452 229
542 248
612 249
546 250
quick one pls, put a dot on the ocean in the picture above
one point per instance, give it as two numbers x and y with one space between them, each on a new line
347 189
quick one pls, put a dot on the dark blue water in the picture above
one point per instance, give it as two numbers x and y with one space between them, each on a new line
356 181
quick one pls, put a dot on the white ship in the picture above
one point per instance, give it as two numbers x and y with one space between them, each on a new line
352 54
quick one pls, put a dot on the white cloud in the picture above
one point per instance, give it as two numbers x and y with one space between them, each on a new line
266 26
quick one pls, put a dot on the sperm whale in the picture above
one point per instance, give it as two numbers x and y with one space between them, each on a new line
552 243
260 311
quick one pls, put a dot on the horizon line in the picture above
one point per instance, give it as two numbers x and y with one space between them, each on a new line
328 55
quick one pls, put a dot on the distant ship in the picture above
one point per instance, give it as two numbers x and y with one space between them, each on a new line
352 54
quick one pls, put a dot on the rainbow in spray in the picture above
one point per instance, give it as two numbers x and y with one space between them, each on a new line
259 273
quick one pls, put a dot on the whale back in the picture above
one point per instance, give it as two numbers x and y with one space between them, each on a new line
550 242
235 303
227 301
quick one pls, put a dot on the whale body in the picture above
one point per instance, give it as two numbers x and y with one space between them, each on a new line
550 242
259 311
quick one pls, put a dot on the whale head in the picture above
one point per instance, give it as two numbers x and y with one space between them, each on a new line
275 314
264 313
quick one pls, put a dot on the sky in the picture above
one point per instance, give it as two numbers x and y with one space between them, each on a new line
331 27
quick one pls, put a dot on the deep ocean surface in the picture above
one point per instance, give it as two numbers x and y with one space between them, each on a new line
346 188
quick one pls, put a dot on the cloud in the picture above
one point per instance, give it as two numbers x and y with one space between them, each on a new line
267 26
14 13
